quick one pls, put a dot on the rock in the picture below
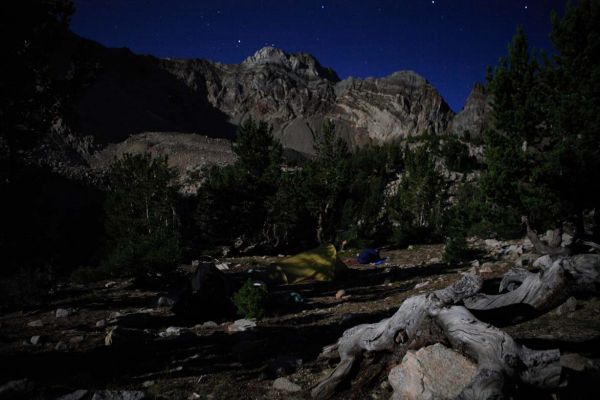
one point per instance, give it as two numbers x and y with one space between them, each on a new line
195 263
422 284
576 362
38 323
410 247
114 315
119 395
110 284
286 385
17 389
296 297
475 263
514 250
526 259
101 323
62 313
61 346
222 266
435 260
147 384
567 308
76 395
543 262
210 325
567 240
486 268
119 335
35 340
475 114
171 331
433 372
242 325
492 243
164 301
340 293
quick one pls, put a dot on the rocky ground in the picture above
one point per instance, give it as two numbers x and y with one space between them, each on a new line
111 340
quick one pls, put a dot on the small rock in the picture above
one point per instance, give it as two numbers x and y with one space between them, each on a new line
164 301
61 346
543 262
568 307
340 293
296 297
110 284
35 340
493 243
62 313
286 385
147 384
475 263
76 395
422 284
410 247
114 315
119 395
195 263
194 396
38 323
101 323
435 260
485 270
210 324
242 325
171 331
567 240
222 266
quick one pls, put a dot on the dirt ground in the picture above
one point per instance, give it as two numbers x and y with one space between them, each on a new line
208 362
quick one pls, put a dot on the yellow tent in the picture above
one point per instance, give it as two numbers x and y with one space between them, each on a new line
320 264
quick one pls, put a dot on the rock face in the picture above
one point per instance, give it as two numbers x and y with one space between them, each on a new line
475 116
295 94
433 372
127 94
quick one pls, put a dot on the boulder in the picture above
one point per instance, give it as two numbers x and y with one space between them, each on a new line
433 372
340 294
35 340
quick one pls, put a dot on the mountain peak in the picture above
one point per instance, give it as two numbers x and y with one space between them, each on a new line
301 63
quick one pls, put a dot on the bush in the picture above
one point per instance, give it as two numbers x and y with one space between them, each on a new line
251 300
456 249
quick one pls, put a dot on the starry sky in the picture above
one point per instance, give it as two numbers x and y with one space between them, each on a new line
449 42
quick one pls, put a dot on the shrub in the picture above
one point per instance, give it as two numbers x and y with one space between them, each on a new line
456 248
251 300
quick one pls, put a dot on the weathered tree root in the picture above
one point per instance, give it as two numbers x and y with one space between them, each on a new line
409 324
500 359
498 356
544 290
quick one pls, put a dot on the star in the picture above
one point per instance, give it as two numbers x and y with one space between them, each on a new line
432 1
526 7
322 7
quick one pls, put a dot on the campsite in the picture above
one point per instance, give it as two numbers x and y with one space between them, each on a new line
124 339
299 200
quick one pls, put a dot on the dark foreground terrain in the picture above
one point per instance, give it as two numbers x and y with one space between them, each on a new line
113 336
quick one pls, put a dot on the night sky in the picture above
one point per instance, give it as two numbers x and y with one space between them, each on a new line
449 42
